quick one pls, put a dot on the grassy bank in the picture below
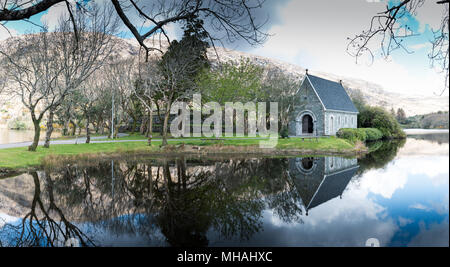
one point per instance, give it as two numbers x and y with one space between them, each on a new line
137 136
15 158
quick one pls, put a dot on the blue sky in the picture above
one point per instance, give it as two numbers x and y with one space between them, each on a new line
313 34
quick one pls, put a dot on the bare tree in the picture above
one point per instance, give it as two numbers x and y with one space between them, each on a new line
32 69
225 19
171 80
281 87
89 96
386 27
45 224
146 86
47 67
3 80
81 50
121 78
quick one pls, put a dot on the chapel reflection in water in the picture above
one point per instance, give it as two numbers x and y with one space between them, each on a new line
181 199
321 179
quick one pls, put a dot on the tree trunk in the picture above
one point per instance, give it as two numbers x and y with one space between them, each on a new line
74 129
96 127
115 128
246 123
102 127
150 127
142 130
108 126
88 131
165 126
134 124
49 131
66 128
37 134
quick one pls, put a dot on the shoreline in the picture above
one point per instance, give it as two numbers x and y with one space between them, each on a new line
174 151
425 131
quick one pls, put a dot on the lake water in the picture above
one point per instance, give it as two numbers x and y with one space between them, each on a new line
398 194
8 136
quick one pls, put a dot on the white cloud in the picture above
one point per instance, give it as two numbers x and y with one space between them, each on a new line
420 46
54 13
6 33
315 37
430 14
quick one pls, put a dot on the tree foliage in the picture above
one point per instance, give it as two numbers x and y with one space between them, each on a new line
377 117
232 82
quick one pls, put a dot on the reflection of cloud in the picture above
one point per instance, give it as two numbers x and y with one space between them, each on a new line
419 206
5 218
414 147
384 182
441 207
404 221
349 221
349 228
356 216
435 235
434 168
417 157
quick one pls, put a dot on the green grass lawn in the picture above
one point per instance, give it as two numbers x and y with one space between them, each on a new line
137 136
20 158
69 137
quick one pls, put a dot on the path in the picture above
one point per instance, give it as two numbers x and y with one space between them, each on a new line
82 140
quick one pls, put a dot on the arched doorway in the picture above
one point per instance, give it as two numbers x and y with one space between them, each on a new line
307 163
307 124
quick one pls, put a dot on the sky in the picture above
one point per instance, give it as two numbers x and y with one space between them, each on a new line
313 35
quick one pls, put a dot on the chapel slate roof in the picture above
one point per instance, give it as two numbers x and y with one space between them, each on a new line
332 94
332 186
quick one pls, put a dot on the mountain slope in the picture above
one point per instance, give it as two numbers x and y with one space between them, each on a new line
374 94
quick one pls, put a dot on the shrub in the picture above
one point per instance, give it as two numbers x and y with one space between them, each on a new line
376 117
372 134
17 124
284 133
359 134
350 134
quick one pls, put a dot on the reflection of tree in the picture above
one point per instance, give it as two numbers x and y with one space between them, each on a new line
45 224
230 201
382 153
183 199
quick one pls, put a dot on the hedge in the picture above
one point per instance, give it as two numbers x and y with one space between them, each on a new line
361 134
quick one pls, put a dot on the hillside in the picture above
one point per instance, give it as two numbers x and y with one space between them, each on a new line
11 110
374 94
437 120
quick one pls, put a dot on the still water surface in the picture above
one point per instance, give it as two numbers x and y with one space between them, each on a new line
8 136
398 194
